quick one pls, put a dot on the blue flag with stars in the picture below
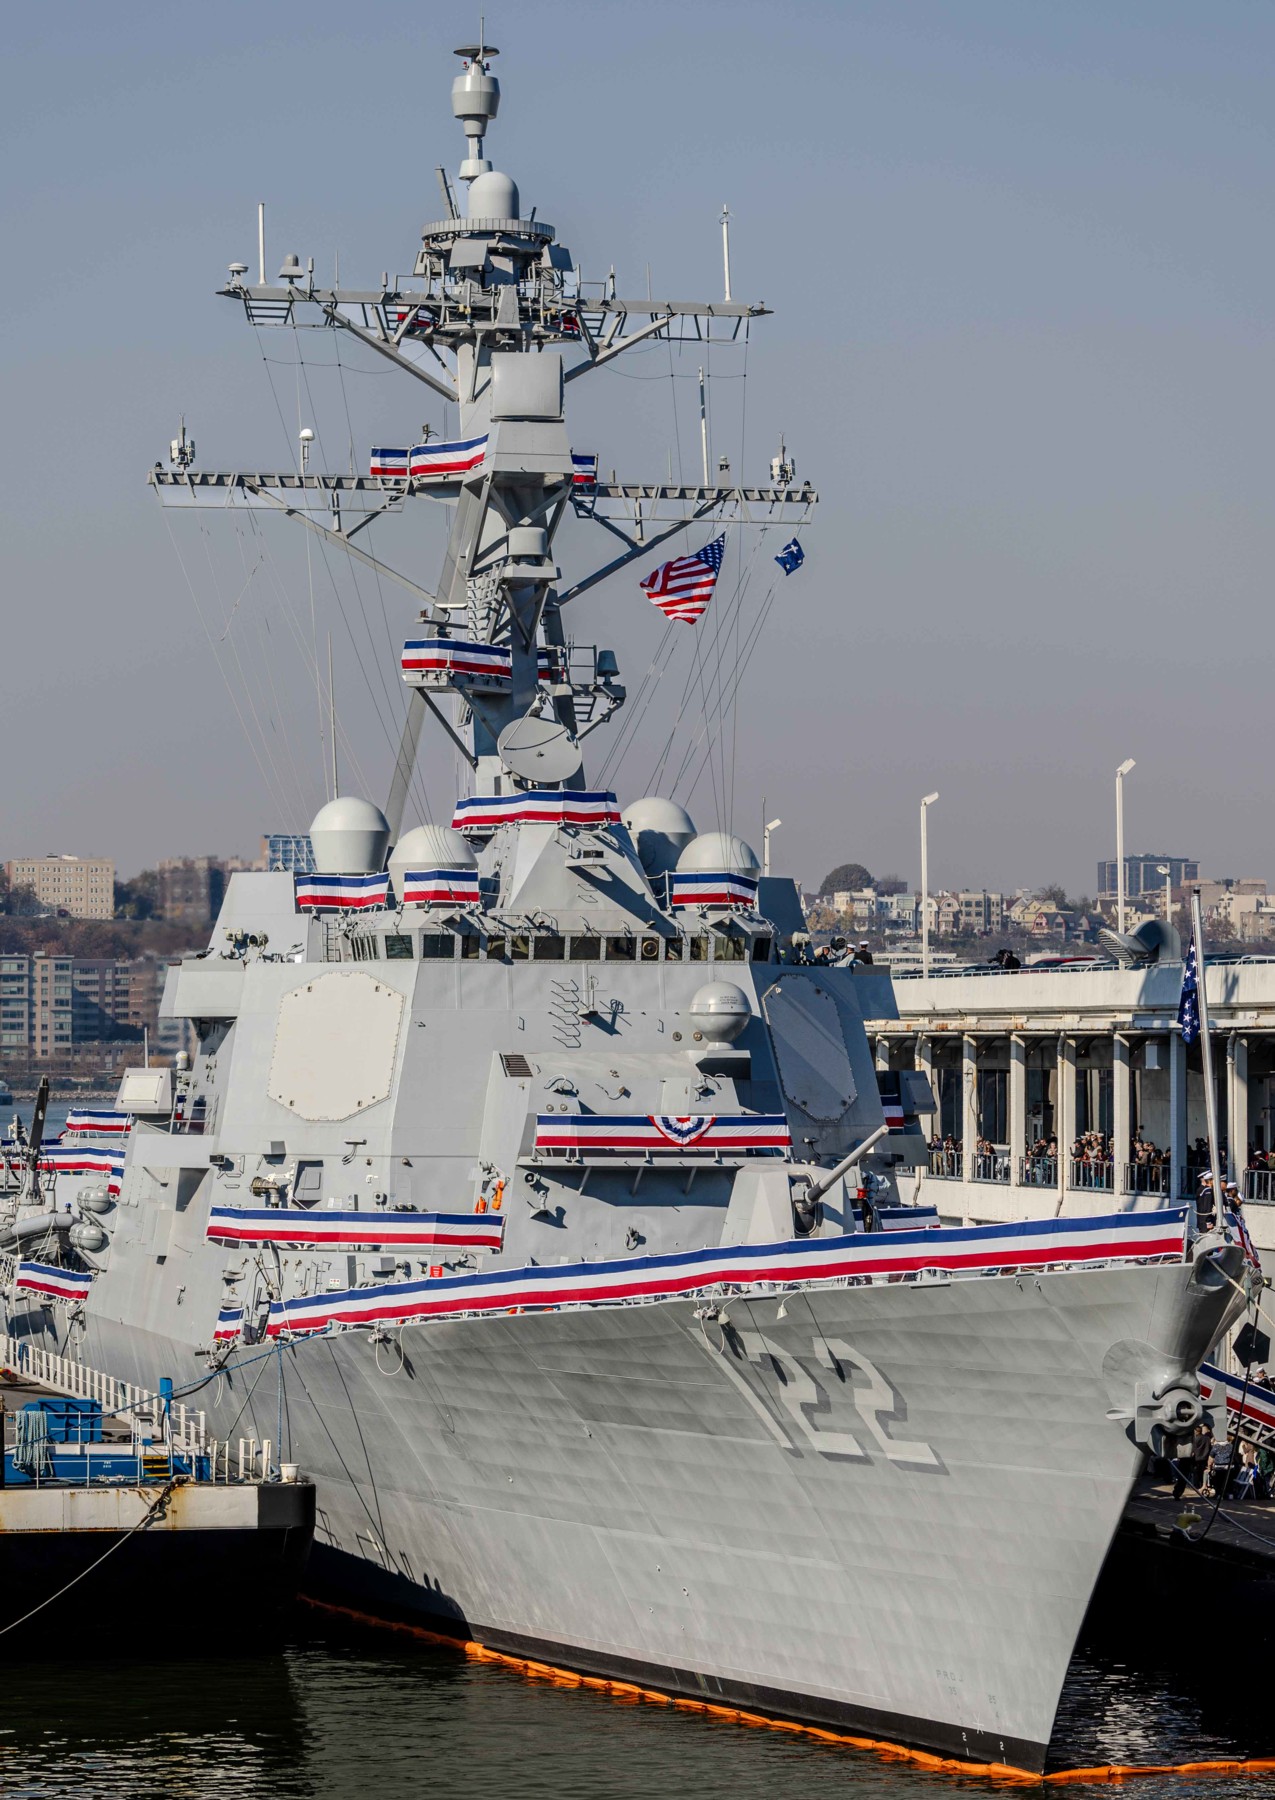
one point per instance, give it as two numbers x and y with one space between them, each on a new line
791 557
1189 1004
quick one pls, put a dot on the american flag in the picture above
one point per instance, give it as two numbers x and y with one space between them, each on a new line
683 588
1189 1003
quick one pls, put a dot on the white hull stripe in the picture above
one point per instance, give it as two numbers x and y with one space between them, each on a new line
389 1230
978 1249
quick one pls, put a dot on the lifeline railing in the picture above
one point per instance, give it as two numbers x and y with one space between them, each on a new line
185 1427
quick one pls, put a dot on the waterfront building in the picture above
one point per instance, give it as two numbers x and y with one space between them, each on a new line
1142 874
1017 1060
289 851
83 886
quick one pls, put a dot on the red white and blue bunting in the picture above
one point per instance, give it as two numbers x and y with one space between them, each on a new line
439 887
388 464
85 1122
444 462
89 1160
713 887
51 1283
1226 1393
481 815
295 1228
744 1268
586 1135
477 662
342 893
900 1218
229 1325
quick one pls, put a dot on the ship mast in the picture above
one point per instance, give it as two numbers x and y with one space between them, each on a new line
499 324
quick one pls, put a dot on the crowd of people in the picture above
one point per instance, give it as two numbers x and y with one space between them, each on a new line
1236 1469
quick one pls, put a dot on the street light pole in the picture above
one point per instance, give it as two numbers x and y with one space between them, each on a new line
1166 869
926 804
771 825
1121 772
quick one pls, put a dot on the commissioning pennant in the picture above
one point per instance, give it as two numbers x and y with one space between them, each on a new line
683 588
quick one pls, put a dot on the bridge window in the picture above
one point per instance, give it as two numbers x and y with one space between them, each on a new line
398 946
586 949
435 947
548 949
761 949
699 949
520 947
621 949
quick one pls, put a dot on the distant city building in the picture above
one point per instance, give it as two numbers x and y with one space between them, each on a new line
1142 874
192 888
83 886
53 1005
288 850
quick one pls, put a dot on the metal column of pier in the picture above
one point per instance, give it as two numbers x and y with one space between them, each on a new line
1121 1132
1177 1111
1017 1129
969 1107
1065 1111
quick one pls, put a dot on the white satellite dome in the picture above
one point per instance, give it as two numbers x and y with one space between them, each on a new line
349 836
719 851
661 830
429 847
493 196
720 1011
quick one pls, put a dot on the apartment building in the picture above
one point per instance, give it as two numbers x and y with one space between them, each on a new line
83 886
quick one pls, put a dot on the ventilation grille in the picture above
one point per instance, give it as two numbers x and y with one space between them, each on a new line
516 1066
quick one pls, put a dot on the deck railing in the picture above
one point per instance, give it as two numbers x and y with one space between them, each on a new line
184 1429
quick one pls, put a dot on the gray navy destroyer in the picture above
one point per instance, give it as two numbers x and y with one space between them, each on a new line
531 1188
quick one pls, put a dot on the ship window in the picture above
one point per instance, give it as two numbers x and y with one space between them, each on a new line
398 947
437 948
549 949
621 949
674 949
586 949
520 946
470 947
731 949
495 949
699 949
761 949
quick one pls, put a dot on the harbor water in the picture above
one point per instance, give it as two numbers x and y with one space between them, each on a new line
337 1715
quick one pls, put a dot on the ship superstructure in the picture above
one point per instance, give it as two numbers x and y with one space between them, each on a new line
541 1196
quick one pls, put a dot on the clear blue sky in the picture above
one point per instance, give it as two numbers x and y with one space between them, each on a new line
1021 263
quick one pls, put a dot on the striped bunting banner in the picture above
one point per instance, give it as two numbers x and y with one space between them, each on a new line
713 887
549 806
53 1284
86 1161
342 893
388 464
444 462
440 887
964 1250
358 1230
655 1134
83 1122
229 1325
1217 1389
477 661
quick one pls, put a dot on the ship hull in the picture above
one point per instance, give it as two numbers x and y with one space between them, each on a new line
884 1510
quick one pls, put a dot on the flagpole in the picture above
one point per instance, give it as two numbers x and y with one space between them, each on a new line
1206 1052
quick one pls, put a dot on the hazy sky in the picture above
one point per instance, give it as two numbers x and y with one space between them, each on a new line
1022 265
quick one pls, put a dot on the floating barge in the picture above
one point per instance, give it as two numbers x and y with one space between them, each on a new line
118 1502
